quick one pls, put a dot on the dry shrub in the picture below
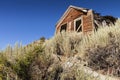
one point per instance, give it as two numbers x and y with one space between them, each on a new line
106 58
77 73
64 43
40 70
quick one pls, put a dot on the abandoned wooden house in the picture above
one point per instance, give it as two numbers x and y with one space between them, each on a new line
82 20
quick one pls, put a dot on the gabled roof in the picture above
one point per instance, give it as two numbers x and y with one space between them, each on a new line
67 11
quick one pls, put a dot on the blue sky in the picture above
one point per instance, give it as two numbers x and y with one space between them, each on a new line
28 20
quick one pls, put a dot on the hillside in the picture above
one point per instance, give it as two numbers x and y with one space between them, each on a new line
66 56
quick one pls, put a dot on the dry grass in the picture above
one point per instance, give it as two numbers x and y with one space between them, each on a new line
43 59
70 44
66 43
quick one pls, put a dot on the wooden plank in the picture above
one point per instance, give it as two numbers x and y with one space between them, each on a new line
88 21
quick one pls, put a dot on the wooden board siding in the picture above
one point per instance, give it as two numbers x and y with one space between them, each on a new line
88 22
72 26
73 14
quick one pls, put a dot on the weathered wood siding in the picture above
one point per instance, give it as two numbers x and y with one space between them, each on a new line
88 22
73 14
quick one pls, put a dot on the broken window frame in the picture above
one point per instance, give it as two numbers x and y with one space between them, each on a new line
80 18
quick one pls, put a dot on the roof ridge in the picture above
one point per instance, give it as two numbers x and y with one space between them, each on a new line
76 7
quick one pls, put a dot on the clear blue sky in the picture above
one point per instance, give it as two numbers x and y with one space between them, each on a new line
28 20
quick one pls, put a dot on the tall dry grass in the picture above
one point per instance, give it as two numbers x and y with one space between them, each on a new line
38 58
68 43
72 43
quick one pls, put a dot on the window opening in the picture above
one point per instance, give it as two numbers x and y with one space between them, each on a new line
63 28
